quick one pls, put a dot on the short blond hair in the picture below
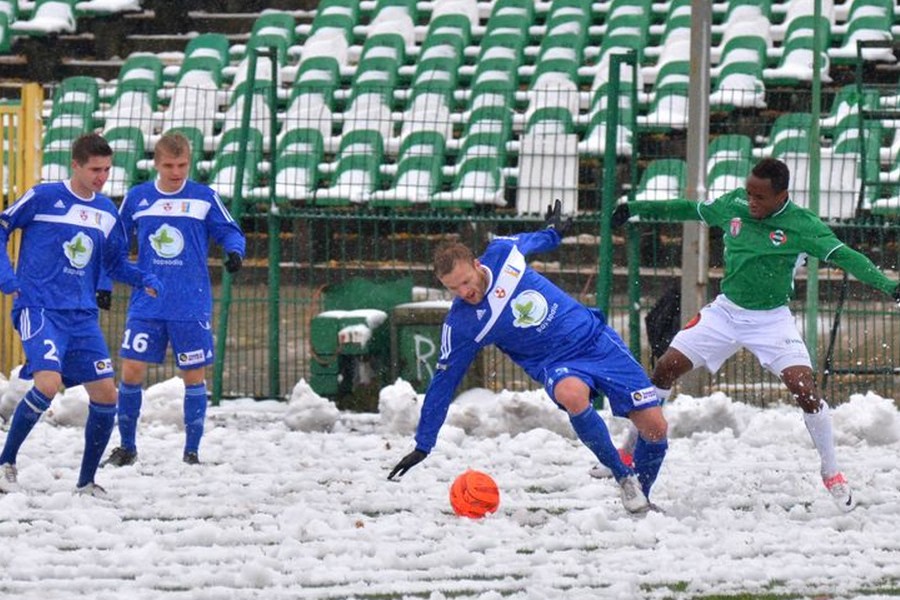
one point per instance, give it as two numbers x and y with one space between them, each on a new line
173 143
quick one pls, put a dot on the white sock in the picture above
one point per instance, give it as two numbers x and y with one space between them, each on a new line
819 427
662 394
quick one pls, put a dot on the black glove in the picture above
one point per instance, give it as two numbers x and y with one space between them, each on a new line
620 216
408 462
554 219
897 294
233 262
104 299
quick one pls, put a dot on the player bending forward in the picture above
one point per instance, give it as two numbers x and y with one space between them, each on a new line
569 348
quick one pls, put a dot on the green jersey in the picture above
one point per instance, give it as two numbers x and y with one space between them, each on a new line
762 255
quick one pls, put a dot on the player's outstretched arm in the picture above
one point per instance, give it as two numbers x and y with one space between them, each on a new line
858 264
407 463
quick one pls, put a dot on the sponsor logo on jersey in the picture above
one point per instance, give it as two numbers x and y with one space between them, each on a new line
479 314
167 206
167 241
191 358
529 309
735 226
102 367
143 203
500 292
59 204
644 396
186 207
512 271
778 237
78 250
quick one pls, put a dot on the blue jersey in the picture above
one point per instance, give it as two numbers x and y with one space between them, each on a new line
67 243
525 315
173 233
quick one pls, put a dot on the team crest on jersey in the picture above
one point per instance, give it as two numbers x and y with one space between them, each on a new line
167 206
778 237
735 226
529 309
500 292
79 250
167 241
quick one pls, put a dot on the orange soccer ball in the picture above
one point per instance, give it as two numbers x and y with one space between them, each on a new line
474 494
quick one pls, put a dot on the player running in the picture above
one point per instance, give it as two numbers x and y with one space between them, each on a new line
70 235
767 237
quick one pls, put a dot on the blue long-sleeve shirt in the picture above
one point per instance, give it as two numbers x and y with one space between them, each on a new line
66 243
173 232
524 314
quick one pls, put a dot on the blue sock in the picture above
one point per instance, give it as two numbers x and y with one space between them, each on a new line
27 413
648 458
592 431
129 411
100 422
194 415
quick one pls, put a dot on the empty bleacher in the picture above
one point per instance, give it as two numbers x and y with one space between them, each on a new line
512 96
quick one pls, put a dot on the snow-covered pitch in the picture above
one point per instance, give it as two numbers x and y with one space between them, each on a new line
292 501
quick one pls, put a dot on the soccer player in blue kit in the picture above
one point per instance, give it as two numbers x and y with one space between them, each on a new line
557 340
71 234
173 218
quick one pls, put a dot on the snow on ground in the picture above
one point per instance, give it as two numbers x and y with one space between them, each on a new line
292 501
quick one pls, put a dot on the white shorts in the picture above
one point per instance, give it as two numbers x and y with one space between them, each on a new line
722 328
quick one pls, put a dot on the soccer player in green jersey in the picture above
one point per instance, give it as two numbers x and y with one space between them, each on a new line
766 238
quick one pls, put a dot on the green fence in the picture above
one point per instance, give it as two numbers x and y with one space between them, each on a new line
326 223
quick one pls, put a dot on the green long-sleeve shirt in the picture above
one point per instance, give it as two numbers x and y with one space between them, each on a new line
762 255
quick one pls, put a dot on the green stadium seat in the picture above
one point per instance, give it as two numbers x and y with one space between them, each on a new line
223 176
663 179
56 165
478 181
74 103
61 138
863 20
209 45
357 173
297 165
669 108
49 17
795 65
128 148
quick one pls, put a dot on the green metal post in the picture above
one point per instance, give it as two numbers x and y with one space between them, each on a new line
633 239
608 199
237 205
812 270
274 222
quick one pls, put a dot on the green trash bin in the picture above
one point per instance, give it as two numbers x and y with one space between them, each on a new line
416 344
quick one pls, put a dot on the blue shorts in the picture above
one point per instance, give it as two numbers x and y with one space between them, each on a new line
68 342
607 366
146 340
